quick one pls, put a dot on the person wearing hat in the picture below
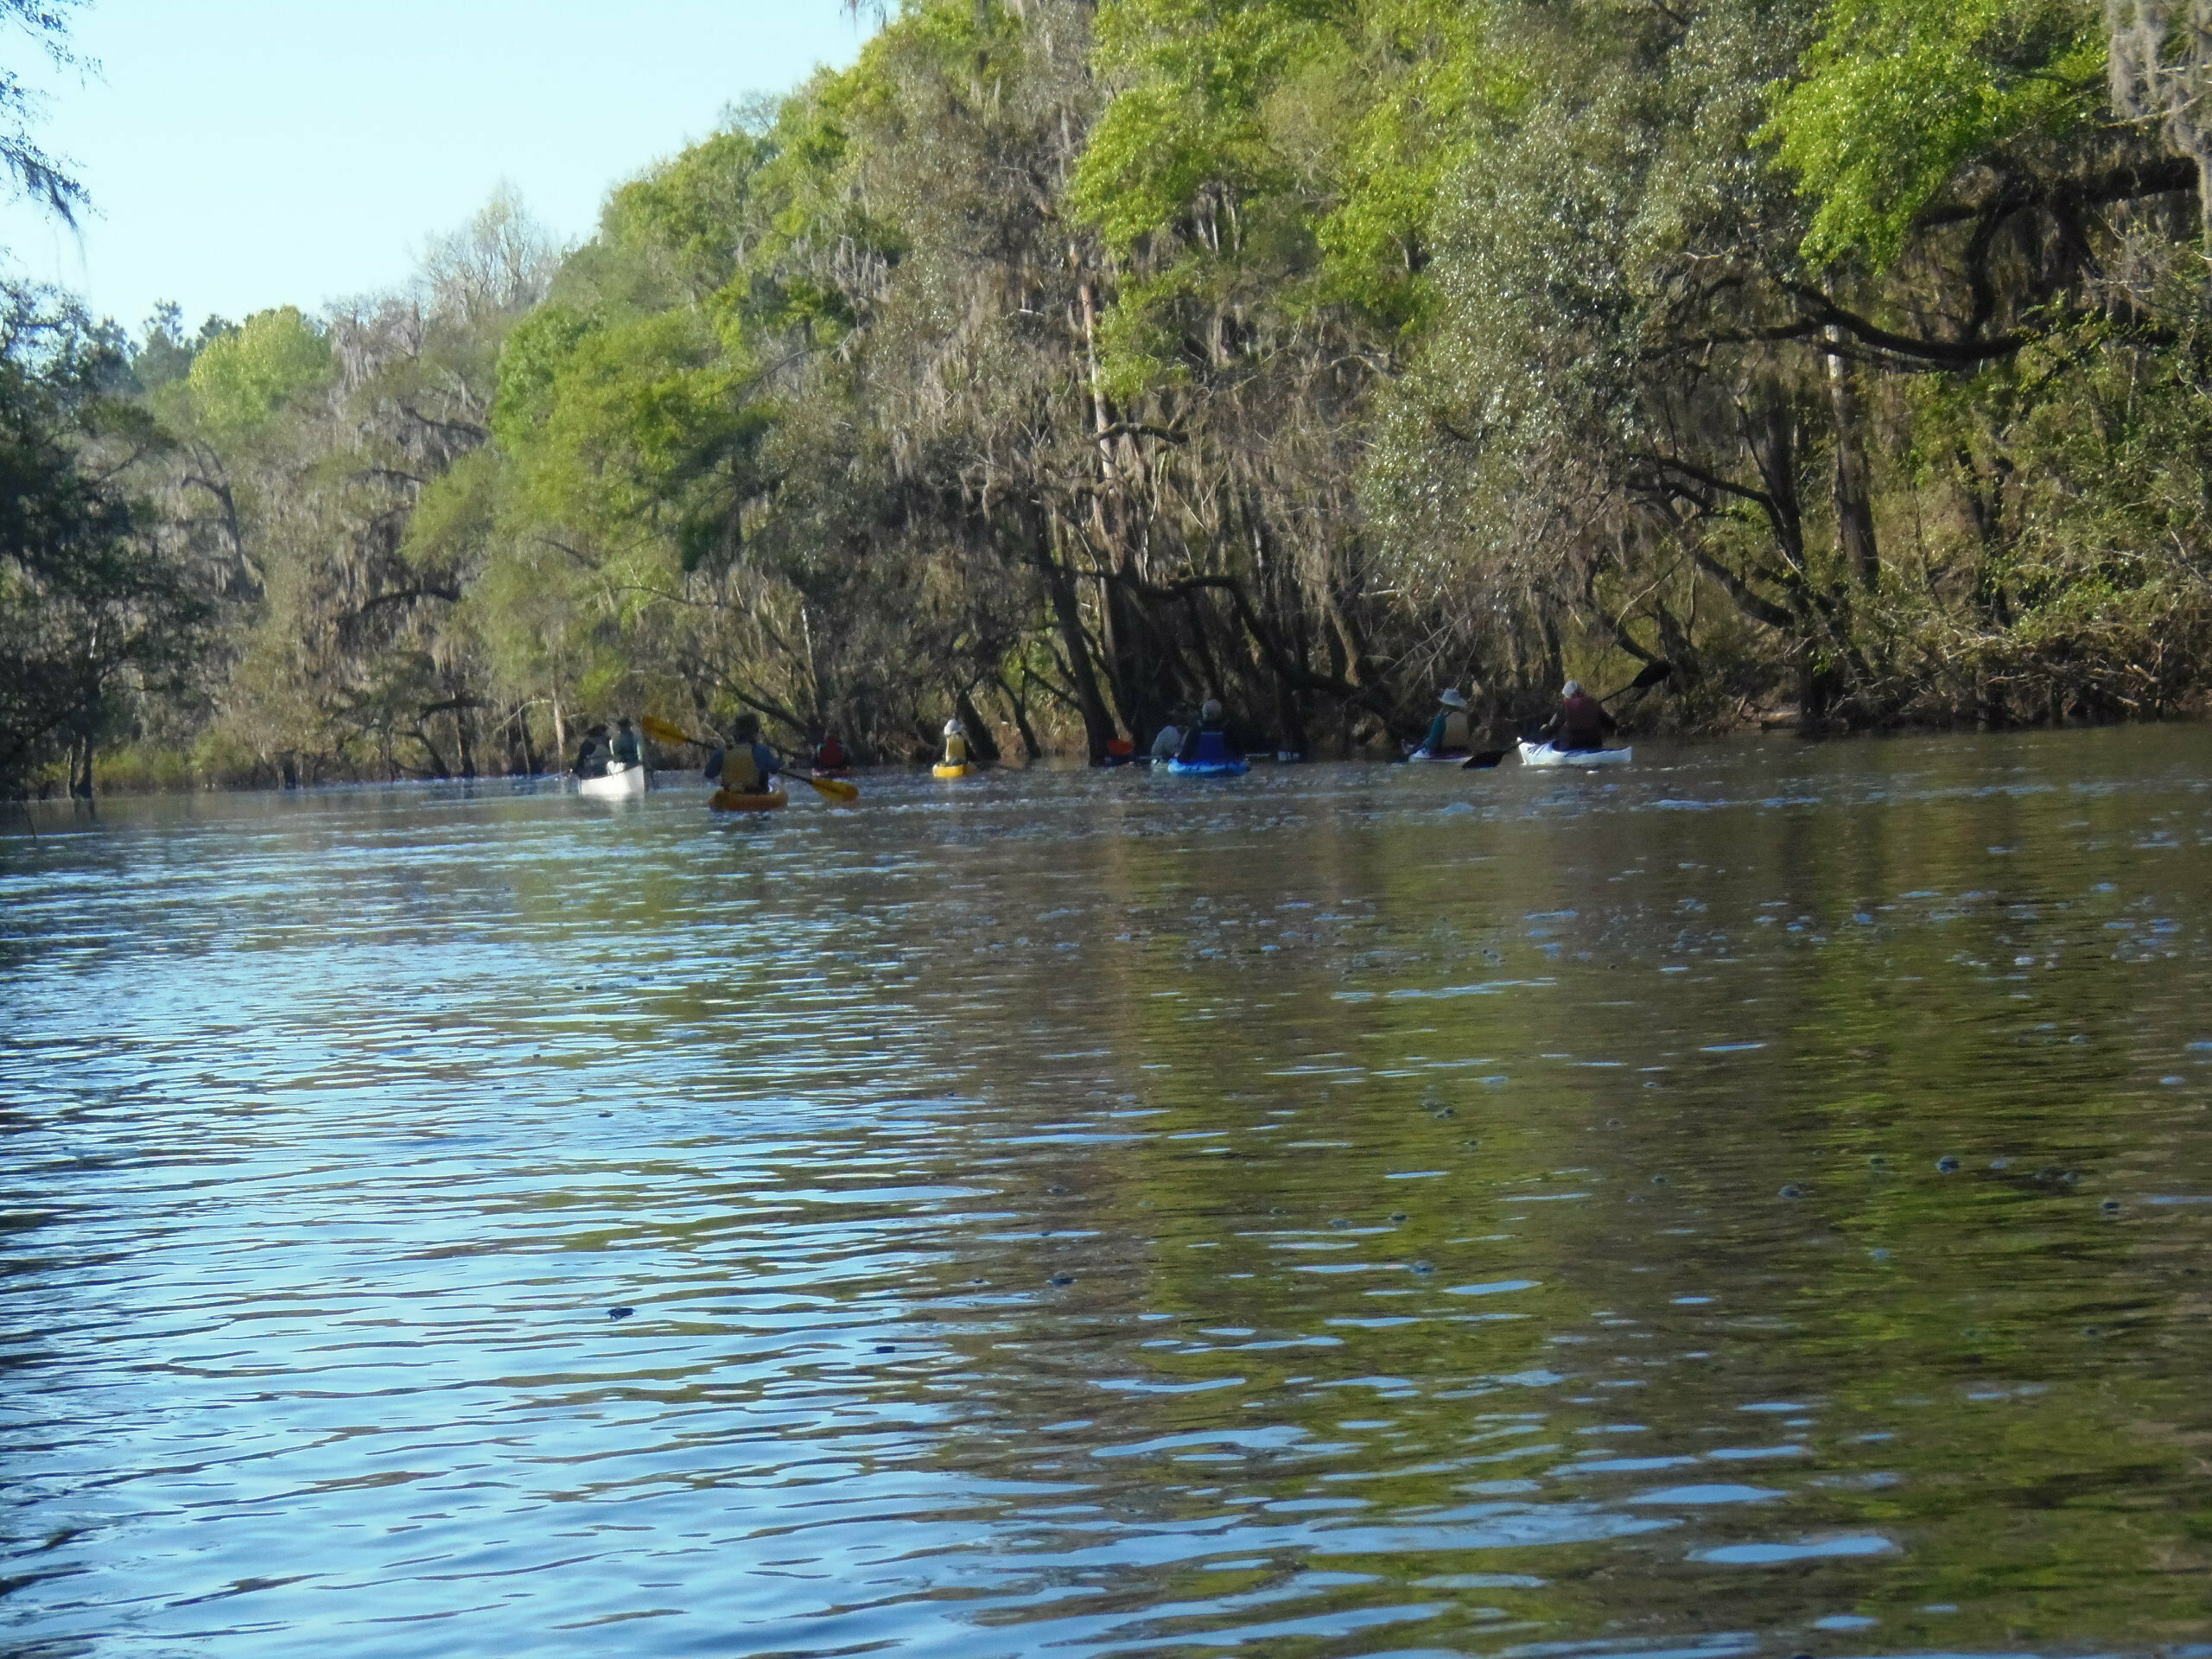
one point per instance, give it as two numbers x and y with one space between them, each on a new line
747 767
1448 733
592 753
1209 740
1581 723
956 743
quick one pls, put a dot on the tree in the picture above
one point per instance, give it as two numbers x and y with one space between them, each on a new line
89 611
37 174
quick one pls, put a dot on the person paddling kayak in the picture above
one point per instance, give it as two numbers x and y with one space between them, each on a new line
829 755
1581 723
956 743
747 767
627 753
1209 740
1449 733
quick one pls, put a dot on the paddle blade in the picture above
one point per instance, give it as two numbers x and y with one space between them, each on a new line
1653 674
661 732
836 789
1484 762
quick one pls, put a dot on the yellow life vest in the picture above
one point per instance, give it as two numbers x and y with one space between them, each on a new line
1455 730
741 773
956 749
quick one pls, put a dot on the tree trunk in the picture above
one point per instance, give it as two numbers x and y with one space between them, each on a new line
1031 748
1098 723
981 743
1855 506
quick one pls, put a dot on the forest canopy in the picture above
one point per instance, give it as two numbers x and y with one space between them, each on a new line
1058 365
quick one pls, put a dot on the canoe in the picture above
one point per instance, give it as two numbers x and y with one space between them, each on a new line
1543 754
948 769
730 800
1208 768
613 785
1423 758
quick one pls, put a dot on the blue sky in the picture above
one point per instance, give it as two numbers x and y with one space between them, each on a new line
243 155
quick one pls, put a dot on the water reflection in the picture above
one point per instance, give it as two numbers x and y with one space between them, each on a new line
1759 1199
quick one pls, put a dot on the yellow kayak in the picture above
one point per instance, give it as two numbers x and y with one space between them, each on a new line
729 800
949 769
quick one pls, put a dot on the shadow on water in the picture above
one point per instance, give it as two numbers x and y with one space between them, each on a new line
1755 1202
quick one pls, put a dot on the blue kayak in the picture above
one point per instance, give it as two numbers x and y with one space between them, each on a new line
1208 768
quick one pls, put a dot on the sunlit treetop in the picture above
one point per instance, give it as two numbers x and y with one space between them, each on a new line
1899 96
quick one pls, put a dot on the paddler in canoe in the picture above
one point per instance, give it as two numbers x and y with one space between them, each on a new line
592 755
626 751
1449 737
746 766
1581 723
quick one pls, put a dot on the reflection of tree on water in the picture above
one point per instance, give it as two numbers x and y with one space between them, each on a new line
1197 1373
832 1105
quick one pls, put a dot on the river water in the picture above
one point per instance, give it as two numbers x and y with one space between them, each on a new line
1760 1202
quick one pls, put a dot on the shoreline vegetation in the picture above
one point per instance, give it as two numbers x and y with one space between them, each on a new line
1059 365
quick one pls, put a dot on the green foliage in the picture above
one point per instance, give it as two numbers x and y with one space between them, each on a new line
1062 363
239 382
92 612
1899 97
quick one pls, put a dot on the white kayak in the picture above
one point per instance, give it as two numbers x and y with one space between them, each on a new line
614 785
1423 758
1543 754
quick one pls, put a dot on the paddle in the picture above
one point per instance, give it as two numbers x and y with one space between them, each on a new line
834 789
1653 674
1484 762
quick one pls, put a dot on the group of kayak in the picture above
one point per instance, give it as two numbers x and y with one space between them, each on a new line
1575 736
748 775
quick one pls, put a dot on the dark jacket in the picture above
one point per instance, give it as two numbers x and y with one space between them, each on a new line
1581 723
1209 740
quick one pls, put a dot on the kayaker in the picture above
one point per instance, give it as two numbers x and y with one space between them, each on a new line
829 755
1169 743
627 753
1581 723
592 753
747 767
1209 740
956 743
1448 734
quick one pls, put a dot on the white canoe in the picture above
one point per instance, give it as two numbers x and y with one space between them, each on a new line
1423 758
1542 754
613 785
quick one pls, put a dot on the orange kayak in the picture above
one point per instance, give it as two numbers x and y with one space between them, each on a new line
729 800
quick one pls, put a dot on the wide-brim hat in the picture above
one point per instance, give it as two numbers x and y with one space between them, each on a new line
1451 699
